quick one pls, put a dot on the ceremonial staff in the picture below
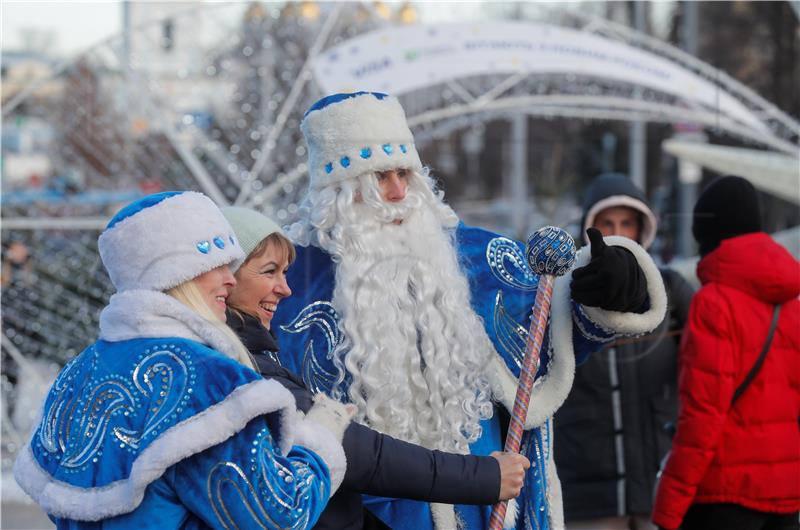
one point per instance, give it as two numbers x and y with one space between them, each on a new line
550 253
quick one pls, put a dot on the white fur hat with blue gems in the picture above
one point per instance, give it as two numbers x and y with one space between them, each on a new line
165 239
352 134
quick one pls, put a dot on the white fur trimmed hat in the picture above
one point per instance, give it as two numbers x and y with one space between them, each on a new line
352 134
162 240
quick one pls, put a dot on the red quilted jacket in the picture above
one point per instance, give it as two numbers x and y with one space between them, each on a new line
749 454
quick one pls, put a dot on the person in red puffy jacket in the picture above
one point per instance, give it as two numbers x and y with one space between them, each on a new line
736 466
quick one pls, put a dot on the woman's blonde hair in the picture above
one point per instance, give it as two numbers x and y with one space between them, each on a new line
189 295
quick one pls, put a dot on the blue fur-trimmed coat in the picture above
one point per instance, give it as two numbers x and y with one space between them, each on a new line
503 289
156 426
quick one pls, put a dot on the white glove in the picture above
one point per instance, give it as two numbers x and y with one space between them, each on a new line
331 414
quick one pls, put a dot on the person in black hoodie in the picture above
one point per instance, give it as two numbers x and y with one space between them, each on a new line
614 428
377 464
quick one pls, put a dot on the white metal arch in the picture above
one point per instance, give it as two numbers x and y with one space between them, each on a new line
409 59
751 117
384 60
741 112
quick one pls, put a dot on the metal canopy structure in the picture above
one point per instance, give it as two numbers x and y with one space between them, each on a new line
449 77
597 70
772 172
409 59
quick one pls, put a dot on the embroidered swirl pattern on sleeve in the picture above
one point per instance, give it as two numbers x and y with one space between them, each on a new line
321 317
286 490
90 415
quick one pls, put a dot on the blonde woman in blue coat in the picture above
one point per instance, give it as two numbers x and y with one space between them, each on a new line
162 423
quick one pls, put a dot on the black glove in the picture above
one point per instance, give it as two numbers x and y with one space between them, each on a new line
612 280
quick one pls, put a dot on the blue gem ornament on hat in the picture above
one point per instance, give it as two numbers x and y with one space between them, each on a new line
352 134
162 240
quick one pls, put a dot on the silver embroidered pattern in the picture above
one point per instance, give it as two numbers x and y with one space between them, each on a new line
263 495
508 264
546 440
75 425
510 334
103 402
536 479
322 315
53 421
578 316
85 408
550 250
512 337
530 521
228 473
163 377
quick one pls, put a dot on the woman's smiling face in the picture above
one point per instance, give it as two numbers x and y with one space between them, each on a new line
261 284
215 287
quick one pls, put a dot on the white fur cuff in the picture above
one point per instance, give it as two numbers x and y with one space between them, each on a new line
320 440
331 414
630 323
555 501
444 516
551 390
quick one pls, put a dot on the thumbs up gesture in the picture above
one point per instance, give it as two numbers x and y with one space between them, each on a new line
612 280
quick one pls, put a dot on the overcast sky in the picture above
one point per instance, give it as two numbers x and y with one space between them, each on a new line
64 27
73 26
68 27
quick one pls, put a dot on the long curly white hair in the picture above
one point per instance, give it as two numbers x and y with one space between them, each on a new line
414 353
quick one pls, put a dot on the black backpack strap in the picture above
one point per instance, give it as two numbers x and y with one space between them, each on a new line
760 361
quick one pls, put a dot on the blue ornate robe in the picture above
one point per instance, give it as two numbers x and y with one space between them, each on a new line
167 432
503 289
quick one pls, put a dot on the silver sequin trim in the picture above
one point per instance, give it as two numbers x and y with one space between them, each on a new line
508 264
322 315
269 489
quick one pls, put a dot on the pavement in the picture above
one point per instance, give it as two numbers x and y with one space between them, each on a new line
17 510
23 516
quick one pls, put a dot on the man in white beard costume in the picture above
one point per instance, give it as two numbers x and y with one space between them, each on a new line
421 321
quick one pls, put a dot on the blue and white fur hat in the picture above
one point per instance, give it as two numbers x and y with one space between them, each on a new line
162 240
352 134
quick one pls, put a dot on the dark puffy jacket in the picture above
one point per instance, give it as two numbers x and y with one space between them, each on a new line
610 434
378 464
749 453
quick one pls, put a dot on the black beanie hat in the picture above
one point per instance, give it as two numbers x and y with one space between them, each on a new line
728 207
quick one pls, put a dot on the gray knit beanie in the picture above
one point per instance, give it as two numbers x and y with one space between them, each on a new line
250 226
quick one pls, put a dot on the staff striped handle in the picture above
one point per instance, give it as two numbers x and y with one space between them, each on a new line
551 253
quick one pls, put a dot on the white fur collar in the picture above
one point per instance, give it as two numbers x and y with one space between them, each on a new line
138 314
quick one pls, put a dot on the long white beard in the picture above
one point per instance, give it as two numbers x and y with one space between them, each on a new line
414 350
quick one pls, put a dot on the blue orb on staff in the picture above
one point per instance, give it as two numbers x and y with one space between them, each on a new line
550 250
